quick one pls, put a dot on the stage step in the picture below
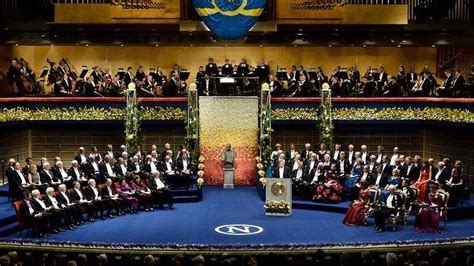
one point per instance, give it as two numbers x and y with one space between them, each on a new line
9 229
4 190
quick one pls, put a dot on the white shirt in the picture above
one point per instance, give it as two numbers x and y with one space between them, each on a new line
41 203
364 176
95 166
153 167
350 157
76 171
409 168
109 169
63 173
111 154
390 201
54 202
315 177
168 167
292 154
341 166
377 181
379 158
30 209
96 192
83 158
299 174
159 183
393 159
185 164
336 155
311 165
137 167
23 180
438 174
79 193
66 197
364 157
295 165
281 171
124 169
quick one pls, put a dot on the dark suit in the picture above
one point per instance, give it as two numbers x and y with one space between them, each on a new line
39 223
413 175
160 195
184 175
73 210
286 172
60 212
112 202
52 217
16 188
48 178
89 207
99 204
347 167
382 214
382 182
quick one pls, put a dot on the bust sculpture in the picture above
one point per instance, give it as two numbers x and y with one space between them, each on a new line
228 156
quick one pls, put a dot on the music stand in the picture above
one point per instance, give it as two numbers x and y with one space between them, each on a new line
121 73
343 74
184 75
282 74
243 69
227 69
211 69
152 70
312 74
44 73
84 72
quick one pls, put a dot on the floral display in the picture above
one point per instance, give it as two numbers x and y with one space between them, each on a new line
266 130
200 173
390 113
87 113
325 125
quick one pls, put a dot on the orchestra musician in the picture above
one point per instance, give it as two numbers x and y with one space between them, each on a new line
303 87
200 75
59 89
67 82
206 87
128 78
140 75
227 68
445 89
243 68
96 74
412 78
176 70
116 87
91 87
211 68
276 89
262 71
148 88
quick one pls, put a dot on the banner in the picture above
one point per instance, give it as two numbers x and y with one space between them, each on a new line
229 20
229 120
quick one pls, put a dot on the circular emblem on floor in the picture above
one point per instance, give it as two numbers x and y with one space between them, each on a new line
239 229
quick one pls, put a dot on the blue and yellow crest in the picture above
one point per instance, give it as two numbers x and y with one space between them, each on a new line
229 19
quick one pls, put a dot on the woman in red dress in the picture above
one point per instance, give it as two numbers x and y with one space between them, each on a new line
427 220
355 214
423 181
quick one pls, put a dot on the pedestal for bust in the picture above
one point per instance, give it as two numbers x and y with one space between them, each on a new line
228 178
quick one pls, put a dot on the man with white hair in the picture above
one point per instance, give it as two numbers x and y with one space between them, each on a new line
396 154
92 169
305 154
365 155
51 201
18 181
47 176
160 191
60 173
106 169
76 174
442 175
92 194
38 219
39 206
78 198
120 169
110 152
389 206
135 166
81 157
167 150
111 199
282 171
72 209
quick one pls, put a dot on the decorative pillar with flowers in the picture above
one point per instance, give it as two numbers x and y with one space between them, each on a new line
132 120
192 123
326 126
265 139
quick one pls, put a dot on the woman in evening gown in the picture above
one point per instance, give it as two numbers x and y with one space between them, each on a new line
427 220
355 214
423 181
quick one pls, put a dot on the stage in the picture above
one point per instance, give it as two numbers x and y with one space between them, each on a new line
193 225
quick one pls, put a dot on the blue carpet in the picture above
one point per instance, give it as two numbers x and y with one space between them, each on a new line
194 223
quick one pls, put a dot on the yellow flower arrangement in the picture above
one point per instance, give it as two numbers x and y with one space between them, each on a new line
263 181
201 166
260 166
